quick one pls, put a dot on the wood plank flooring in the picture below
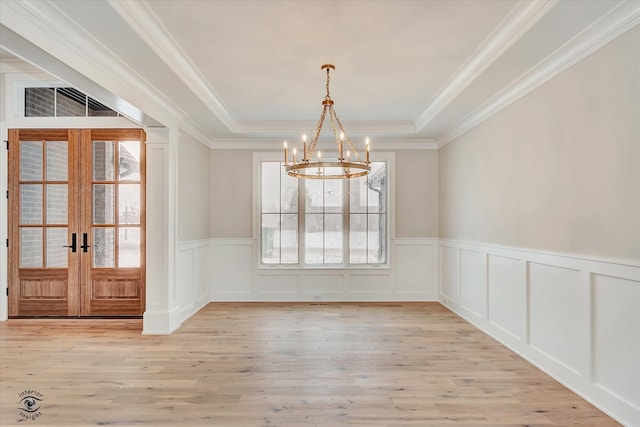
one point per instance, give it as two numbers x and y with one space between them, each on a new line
279 364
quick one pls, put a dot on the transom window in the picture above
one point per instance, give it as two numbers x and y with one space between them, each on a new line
315 222
62 102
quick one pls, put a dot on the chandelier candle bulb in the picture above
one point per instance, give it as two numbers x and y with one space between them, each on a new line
367 141
285 153
304 144
294 155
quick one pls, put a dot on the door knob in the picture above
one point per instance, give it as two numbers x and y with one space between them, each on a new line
73 243
85 242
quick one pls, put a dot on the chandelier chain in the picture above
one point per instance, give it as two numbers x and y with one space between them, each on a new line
327 97
355 152
316 135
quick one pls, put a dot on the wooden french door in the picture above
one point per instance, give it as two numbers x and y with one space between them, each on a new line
76 222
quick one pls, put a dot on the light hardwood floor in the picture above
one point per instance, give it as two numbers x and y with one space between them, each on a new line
280 364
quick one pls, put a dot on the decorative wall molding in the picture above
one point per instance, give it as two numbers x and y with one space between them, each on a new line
574 317
192 277
236 276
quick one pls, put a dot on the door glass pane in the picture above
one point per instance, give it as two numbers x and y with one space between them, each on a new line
103 164
129 161
30 161
129 204
129 247
57 254
31 247
104 246
57 158
103 203
31 204
57 204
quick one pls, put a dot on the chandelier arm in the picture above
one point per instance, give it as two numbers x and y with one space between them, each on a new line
334 117
316 135
355 152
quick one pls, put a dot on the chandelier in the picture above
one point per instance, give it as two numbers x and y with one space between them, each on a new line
347 163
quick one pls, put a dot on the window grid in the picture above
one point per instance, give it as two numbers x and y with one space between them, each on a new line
303 212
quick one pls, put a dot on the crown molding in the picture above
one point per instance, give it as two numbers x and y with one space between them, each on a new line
18 66
524 15
276 144
301 126
616 22
146 24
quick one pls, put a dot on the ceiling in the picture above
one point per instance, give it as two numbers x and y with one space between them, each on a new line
233 72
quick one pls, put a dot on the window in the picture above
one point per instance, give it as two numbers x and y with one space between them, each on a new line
62 102
333 222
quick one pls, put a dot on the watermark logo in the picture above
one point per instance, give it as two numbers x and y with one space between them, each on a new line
30 404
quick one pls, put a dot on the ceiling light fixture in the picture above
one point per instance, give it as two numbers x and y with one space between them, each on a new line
351 166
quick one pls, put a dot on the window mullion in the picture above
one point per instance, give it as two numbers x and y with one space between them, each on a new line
346 217
302 210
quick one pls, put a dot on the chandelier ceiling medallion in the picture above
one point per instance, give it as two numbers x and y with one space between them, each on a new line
347 163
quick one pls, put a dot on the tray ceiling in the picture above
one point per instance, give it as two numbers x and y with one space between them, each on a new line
232 71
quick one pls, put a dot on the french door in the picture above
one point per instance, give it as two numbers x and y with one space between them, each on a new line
76 222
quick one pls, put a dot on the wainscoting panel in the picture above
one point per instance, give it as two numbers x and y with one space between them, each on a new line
555 314
413 272
473 286
449 273
278 284
192 277
232 268
576 318
507 295
370 283
413 276
322 283
616 336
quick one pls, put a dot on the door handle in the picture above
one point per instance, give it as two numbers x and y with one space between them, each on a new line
85 242
73 243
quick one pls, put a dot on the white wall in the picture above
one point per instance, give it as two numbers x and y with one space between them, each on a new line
540 227
193 189
558 170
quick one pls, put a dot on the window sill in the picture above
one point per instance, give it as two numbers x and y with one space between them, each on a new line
364 267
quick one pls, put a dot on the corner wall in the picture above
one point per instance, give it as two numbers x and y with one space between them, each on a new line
540 227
